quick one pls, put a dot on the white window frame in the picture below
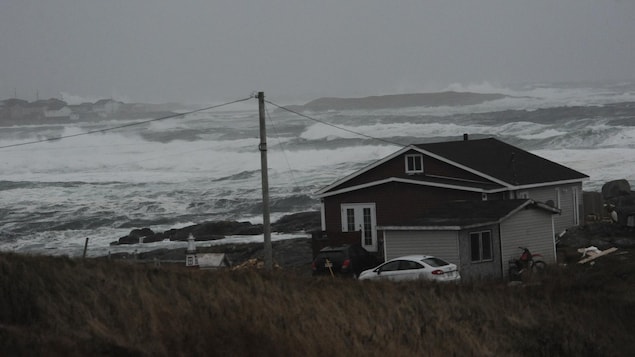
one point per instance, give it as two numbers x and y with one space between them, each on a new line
480 246
417 158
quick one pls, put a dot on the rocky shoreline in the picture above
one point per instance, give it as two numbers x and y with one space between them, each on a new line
601 232
206 231
290 254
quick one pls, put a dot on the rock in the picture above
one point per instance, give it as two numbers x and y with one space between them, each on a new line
297 222
143 235
220 229
625 243
616 188
600 234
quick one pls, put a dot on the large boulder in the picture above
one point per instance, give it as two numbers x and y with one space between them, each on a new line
143 235
213 230
616 188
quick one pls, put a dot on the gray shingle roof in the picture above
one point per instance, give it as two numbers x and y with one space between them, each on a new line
502 161
468 213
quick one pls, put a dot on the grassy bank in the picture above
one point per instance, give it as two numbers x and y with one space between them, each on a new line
61 306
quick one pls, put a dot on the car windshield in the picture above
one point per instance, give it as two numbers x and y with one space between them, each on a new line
435 262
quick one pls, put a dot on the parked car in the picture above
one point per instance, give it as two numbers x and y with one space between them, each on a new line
347 260
414 267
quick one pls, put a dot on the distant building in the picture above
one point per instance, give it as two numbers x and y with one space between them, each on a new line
63 112
204 260
106 107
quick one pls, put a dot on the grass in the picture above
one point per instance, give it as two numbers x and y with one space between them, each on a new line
63 306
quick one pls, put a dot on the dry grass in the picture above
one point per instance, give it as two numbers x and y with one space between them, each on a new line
61 306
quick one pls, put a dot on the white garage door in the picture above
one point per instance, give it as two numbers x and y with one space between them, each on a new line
442 244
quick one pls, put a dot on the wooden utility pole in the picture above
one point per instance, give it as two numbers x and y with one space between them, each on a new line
85 248
266 224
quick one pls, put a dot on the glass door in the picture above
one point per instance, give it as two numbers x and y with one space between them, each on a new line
361 217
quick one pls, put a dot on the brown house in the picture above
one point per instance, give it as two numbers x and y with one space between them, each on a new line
454 200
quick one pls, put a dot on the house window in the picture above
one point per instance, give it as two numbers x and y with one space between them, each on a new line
481 246
368 235
350 220
414 164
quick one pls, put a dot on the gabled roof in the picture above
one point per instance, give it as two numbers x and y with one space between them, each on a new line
502 161
212 260
503 165
467 214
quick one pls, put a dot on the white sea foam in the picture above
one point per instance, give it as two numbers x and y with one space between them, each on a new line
206 166
600 164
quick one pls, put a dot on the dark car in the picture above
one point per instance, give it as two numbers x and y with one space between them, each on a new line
346 260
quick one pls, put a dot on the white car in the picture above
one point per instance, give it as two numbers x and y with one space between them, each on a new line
413 267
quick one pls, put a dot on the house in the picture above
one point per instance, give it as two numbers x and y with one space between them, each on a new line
479 236
454 199
57 109
204 260
106 107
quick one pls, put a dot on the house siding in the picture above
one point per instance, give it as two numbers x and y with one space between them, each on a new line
480 270
571 215
442 244
528 228
396 203
396 167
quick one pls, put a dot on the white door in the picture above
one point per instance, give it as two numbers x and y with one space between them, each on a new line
361 217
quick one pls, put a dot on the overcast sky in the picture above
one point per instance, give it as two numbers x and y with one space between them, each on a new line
210 51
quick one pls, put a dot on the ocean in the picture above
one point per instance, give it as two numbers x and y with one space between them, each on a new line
206 166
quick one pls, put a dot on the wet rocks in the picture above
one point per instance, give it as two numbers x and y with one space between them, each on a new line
304 221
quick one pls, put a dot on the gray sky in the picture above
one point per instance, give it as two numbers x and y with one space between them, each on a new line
209 51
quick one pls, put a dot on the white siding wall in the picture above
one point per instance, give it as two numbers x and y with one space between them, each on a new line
529 228
567 202
442 244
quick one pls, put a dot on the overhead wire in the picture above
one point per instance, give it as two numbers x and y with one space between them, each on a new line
333 125
204 109
125 125
282 147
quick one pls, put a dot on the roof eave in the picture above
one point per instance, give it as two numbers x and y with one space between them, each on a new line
549 183
455 227
363 170
414 182
419 228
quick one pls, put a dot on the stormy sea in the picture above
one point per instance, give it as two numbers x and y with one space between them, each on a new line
206 166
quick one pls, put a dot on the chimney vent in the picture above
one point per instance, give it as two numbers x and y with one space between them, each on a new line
465 138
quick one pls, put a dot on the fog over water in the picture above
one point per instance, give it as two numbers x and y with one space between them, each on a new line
200 51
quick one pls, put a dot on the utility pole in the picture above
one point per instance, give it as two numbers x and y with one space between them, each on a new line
266 225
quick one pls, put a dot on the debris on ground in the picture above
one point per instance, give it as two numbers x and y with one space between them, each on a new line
592 253
253 263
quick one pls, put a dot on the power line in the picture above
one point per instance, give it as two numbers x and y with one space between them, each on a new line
282 147
125 125
333 125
